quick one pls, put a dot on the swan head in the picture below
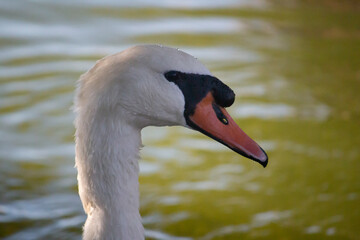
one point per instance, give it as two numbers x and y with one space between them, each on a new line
151 85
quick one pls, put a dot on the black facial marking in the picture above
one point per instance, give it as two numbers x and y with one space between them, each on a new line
196 86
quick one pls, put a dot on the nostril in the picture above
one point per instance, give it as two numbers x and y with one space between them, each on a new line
220 114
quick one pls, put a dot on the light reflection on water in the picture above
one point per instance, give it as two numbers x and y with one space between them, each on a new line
191 186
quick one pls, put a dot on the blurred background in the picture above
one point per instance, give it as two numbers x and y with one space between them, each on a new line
294 65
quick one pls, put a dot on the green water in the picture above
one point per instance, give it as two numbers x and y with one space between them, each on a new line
294 65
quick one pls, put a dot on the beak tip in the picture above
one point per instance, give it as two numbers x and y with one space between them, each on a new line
264 164
264 160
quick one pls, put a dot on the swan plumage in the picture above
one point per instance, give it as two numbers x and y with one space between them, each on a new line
145 85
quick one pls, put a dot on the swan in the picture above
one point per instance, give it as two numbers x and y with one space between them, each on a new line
145 85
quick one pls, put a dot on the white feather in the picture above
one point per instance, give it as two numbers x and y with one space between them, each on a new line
115 99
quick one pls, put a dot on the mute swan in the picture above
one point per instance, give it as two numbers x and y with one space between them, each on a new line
145 85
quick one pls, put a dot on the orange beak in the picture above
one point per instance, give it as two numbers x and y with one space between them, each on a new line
215 122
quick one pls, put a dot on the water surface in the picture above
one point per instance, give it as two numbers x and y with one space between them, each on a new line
294 68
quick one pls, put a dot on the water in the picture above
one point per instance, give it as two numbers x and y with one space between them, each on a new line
294 68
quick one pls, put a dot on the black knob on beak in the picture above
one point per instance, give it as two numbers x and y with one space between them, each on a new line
223 95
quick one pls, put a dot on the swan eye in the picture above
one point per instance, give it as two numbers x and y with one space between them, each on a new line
172 75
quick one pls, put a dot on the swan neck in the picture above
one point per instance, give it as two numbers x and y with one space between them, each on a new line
107 155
